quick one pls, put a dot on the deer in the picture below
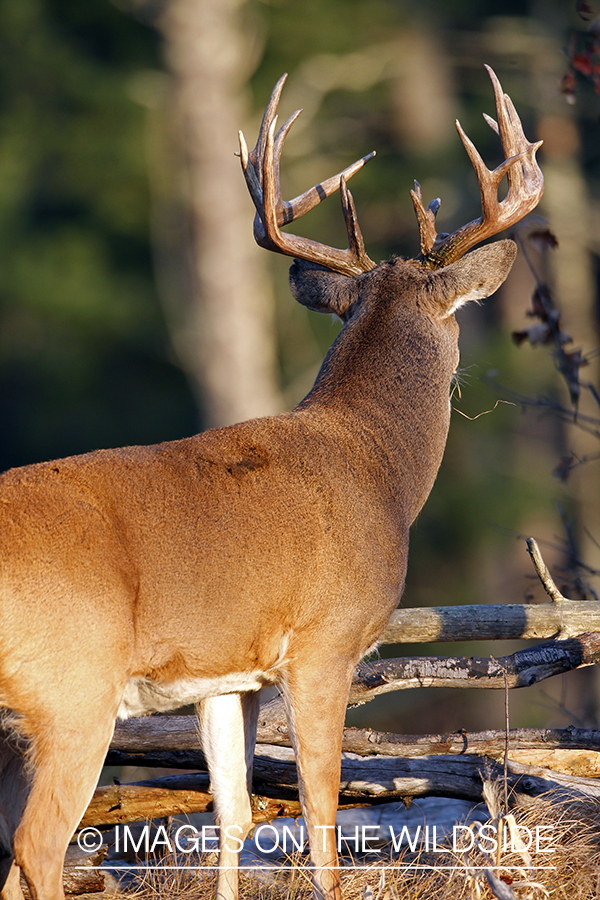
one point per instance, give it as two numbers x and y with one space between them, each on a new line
270 552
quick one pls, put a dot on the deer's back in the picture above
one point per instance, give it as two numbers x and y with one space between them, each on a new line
269 515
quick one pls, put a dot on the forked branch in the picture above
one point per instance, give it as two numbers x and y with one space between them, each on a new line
261 170
525 188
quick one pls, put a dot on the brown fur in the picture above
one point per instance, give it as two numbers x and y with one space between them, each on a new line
277 545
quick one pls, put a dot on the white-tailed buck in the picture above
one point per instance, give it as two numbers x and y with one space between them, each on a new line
270 552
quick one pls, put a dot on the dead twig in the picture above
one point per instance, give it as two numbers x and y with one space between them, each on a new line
543 572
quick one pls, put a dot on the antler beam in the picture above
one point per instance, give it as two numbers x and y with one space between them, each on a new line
525 188
261 170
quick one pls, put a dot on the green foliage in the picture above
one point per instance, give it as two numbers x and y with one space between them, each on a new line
83 349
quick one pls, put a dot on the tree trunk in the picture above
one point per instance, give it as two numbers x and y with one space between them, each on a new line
224 332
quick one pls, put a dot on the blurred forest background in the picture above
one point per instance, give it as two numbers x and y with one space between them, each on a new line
135 307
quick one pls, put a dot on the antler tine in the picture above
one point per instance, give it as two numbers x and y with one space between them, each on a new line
288 210
285 212
351 261
356 245
313 196
252 161
270 114
525 188
425 218
261 170
489 181
510 130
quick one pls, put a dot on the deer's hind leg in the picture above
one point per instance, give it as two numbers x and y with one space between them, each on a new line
14 788
68 747
228 734
11 886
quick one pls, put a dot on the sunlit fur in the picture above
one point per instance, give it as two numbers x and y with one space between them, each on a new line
273 550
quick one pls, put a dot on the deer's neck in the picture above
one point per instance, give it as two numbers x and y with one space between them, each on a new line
383 391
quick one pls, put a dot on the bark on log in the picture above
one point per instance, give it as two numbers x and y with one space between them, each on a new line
492 622
172 742
582 763
116 803
363 781
363 742
181 794
79 875
156 733
383 778
520 669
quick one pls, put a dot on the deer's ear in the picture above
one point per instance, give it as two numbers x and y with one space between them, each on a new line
474 277
323 290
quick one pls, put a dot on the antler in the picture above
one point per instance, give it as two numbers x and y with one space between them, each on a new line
525 188
261 170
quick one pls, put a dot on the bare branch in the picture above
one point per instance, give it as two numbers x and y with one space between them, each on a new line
542 570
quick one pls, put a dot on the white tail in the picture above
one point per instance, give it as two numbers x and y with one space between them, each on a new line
271 552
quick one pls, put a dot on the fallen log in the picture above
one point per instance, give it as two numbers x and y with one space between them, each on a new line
520 669
364 781
80 873
492 622
561 618
119 803
172 742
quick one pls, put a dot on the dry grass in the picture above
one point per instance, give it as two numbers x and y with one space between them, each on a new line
574 873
